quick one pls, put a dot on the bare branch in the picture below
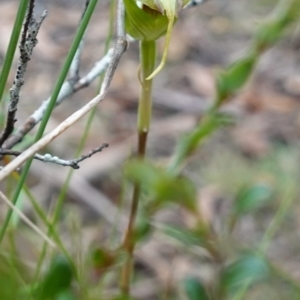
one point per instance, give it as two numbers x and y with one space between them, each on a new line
119 48
74 68
72 85
97 70
48 158
90 154
28 42
68 88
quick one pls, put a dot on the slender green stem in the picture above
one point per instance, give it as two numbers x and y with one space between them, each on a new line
147 59
12 45
58 85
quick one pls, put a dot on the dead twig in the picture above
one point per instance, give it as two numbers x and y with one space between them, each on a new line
72 85
119 48
68 88
48 158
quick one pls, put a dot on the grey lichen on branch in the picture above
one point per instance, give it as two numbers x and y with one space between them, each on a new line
48 158
28 42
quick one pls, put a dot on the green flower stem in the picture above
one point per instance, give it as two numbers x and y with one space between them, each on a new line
12 45
58 85
147 59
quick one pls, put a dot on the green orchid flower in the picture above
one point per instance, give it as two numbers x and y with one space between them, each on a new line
152 20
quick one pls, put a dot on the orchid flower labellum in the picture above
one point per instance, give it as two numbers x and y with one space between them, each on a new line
154 19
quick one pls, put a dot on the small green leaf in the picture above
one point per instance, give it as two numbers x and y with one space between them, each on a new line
162 187
141 172
235 76
251 198
247 270
195 289
176 190
57 279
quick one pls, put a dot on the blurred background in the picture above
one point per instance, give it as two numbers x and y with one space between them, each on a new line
260 149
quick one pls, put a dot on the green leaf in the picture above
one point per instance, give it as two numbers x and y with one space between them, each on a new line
57 279
184 236
252 198
161 186
195 289
235 76
176 190
247 270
